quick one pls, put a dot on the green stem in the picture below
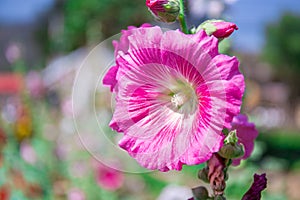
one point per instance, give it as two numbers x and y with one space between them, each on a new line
181 18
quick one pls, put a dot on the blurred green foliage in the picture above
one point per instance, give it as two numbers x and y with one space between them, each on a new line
91 21
282 50
282 43
283 145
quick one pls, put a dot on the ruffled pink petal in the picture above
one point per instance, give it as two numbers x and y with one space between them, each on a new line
120 47
123 44
209 44
110 77
234 85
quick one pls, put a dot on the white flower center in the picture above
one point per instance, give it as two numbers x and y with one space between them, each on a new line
183 98
179 99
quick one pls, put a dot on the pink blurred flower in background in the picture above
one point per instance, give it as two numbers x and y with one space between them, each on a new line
27 152
174 95
75 194
107 177
246 133
67 108
13 53
35 84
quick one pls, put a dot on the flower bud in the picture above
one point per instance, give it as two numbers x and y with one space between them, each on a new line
231 148
200 193
203 175
164 10
218 28
231 138
230 151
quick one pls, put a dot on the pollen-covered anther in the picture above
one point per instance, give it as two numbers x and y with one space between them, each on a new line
179 99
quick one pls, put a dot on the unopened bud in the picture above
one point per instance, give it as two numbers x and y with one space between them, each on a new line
230 151
200 193
203 175
231 138
218 28
164 10
231 148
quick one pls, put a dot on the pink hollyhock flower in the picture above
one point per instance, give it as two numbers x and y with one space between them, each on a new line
246 133
224 29
108 178
174 95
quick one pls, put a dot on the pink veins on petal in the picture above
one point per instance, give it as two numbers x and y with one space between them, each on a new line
174 95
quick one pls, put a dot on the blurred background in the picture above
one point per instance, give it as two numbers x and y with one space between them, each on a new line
43 43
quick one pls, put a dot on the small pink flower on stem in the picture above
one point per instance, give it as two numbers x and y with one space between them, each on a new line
164 10
156 5
224 29
174 95
218 28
